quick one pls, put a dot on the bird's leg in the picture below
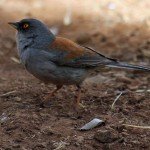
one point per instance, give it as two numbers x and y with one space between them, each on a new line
47 97
78 104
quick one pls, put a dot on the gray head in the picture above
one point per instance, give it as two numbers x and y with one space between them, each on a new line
32 32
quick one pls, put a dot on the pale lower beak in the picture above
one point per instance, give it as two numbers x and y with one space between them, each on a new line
14 24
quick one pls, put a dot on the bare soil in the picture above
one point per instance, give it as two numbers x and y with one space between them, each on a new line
25 125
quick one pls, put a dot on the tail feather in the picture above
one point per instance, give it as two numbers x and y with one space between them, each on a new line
117 64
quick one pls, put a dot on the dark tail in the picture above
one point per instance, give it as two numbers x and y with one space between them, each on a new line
117 64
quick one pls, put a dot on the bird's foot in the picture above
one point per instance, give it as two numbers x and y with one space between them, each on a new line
45 102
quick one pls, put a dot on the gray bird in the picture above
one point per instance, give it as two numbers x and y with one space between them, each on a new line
58 60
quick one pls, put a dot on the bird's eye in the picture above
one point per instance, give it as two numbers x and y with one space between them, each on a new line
25 26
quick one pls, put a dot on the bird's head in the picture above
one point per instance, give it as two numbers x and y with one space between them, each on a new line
32 28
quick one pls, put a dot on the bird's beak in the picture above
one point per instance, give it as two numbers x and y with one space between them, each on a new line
14 24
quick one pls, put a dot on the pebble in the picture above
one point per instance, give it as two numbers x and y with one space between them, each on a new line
106 136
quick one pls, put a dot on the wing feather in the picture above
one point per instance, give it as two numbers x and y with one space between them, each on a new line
74 55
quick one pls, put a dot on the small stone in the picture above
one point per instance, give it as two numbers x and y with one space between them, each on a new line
79 140
3 118
105 136
47 130
60 145
17 99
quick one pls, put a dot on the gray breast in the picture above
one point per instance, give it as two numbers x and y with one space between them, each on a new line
39 64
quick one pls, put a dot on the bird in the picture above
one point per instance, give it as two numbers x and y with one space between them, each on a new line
58 60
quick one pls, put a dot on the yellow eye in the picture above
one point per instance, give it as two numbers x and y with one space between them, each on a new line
25 26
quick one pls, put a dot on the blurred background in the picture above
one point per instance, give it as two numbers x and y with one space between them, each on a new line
116 28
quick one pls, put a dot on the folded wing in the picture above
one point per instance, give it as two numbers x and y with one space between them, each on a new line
74 55
71 54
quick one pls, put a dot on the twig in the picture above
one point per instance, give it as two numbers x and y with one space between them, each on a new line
8 93
134 126
15 60
112 106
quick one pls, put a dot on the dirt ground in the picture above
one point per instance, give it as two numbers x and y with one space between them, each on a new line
25 125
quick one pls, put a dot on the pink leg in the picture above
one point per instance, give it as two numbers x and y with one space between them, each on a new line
47 97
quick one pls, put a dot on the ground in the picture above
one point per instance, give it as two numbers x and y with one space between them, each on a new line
25 125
